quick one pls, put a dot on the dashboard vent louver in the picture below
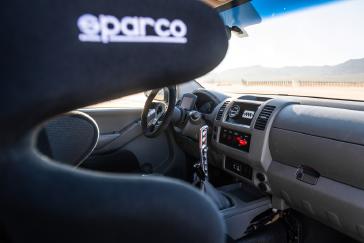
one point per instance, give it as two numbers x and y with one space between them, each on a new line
263 117
221 110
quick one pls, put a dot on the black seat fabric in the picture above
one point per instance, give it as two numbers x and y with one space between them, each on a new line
69 138
51 203
59 55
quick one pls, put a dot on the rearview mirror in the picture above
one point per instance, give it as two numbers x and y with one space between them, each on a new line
239 32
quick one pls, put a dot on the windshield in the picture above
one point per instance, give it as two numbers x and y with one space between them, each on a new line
316 51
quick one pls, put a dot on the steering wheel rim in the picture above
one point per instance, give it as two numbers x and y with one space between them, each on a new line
161 121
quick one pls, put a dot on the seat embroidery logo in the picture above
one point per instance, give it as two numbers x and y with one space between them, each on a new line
107 28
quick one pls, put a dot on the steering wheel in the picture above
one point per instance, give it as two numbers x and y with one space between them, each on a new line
157 115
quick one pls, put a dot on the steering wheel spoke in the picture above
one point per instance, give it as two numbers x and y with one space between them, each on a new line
157 115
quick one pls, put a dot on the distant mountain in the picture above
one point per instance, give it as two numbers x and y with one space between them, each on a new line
352 70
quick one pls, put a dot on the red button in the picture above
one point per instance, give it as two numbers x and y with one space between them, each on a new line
241 141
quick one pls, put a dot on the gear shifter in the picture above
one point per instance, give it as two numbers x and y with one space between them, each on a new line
201 167
201 173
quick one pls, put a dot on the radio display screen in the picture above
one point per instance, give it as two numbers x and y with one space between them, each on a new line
242 113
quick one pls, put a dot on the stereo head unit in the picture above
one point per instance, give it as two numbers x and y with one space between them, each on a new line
242 113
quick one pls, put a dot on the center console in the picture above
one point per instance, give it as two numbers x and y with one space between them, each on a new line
240 145
239 203
239 134
248 202
238 131
240 138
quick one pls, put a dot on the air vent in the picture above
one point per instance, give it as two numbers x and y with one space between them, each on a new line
263 117
221 110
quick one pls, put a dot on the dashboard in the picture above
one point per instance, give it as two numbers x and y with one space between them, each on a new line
205 103
200 100
305 153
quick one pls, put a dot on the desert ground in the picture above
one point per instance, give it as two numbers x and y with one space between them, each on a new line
332 91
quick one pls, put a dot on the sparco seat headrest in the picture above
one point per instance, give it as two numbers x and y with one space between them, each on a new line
59 55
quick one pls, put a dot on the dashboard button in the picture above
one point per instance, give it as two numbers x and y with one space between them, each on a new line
241 141
235 139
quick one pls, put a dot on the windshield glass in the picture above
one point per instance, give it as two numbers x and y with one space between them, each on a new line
316 51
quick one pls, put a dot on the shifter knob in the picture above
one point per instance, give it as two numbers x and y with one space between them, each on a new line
200 167
203 149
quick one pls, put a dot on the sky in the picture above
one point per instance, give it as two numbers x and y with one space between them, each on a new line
325 35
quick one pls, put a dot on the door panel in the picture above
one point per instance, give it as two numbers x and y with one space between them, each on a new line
123 148
114 119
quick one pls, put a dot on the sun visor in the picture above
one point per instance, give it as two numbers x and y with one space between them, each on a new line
60 55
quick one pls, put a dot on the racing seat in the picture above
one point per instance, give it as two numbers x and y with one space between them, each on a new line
58 56
69 138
